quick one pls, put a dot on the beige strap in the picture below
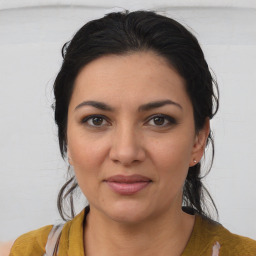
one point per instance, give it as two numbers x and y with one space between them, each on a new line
216 249
52 244
5 248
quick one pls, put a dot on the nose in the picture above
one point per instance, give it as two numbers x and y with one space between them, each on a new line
127 147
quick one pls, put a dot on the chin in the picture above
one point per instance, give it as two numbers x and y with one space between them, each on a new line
128 212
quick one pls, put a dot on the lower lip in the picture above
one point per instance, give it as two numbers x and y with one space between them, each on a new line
128 188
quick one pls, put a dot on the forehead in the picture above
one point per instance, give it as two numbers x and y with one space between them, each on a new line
129 78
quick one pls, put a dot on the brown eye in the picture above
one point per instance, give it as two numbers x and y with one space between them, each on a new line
95 121
159 120
162 120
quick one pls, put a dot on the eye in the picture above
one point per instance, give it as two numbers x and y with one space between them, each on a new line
95 121
162 120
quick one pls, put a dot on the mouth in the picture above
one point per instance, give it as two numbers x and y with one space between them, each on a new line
127 185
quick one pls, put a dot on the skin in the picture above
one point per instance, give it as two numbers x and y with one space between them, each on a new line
126 142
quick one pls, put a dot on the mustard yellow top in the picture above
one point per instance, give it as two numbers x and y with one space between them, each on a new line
207 239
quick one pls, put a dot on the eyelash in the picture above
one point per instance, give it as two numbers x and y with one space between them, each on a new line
170 120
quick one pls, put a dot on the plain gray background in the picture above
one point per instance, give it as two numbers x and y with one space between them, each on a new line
31 169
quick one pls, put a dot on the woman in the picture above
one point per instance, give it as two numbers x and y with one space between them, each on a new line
133 103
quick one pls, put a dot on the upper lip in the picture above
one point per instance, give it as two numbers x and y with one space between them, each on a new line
128 179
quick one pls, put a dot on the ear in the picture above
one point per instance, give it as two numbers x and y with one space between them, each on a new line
200 143
69 157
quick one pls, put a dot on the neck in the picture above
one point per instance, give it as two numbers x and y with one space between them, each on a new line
163 235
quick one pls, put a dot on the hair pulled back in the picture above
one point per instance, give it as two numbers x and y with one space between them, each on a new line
126 32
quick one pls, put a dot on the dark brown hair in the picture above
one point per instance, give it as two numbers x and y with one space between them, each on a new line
124 32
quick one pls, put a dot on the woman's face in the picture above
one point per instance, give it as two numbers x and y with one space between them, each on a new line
131 136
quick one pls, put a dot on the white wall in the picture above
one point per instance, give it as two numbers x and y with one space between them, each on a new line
31 170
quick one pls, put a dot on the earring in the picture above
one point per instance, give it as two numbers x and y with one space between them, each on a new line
69 161
194 161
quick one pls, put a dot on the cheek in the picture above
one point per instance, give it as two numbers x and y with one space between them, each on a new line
171 159
85 150
172 152
87 154
86 158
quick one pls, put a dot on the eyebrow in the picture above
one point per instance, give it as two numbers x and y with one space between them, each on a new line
144 107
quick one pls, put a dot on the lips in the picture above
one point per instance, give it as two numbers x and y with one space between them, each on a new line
127 185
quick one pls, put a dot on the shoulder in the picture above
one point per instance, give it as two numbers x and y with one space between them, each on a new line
31 243
230 244
34 242
236 245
